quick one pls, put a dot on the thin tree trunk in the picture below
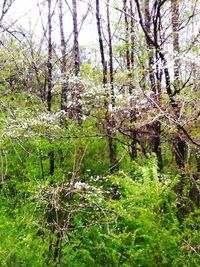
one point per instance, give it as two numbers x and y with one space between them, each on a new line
76 43
154 81
150 47
110 54
128 63
49 78
101 47
64 82
76 53
130 46
179 144
111 146
132 32
49 96
49 60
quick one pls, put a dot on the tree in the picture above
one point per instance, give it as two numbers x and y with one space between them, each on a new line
50 77
179 143
109 121
91 191
64 78
154 51
49 60
76 94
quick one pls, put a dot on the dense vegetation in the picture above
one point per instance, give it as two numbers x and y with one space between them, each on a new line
100 145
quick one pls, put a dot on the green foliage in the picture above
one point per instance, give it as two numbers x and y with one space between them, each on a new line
81 215
61 202
118 220
21 243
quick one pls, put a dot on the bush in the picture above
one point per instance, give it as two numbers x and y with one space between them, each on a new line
118 220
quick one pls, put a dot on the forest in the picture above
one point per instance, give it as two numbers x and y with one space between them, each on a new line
100 133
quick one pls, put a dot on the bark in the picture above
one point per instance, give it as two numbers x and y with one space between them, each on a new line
176 46
49 78
179 144
127 43
111 121
132 32
76 43
154 80
64 82
133 133
130 66
110 55
111 146
49 60
150 47
76 53
101 46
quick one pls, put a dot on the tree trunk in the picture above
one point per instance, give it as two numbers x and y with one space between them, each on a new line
111 146
110 55
127 33
130 46
49 78
76 53
101 47
179 144
132 32
154 82
76 43
64 82
49 60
